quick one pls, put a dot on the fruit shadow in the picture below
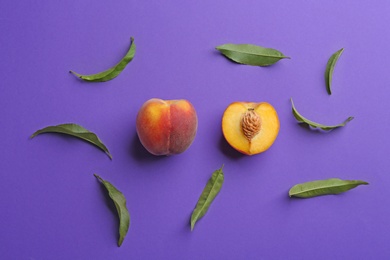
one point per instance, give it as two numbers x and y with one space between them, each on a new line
229 151
138 151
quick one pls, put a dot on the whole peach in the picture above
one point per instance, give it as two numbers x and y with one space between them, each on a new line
166 127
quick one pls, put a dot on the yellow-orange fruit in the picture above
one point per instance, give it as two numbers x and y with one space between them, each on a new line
249 127
166 127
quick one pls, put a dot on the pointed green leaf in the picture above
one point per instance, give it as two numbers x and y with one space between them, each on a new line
251 54
209 193
323 187
120 204
76 131
330 68
112 72
310 123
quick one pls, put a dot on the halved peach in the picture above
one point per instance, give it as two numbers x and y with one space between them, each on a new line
250 127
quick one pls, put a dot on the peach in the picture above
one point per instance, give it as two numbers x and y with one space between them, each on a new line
166 127
249 127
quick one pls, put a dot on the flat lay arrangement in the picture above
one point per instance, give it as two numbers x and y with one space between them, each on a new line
151 139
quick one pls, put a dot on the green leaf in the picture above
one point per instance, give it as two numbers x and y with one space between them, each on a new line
251 54
76 131
310 123
330 68
120 204
112 72
323 187
209 193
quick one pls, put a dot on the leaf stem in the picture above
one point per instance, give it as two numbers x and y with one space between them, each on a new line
98 177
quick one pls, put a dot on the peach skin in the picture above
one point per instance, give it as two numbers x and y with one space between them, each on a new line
166 127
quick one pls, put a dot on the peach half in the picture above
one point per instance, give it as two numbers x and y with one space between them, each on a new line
166 127
249 127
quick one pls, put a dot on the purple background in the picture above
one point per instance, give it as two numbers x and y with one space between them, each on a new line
53 208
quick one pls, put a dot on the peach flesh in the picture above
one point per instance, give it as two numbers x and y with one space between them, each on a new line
249 127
